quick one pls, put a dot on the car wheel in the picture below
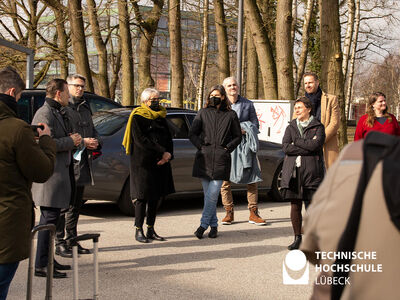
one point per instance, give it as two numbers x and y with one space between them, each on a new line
126 205
276 185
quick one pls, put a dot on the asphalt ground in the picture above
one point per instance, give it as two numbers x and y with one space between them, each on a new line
244 262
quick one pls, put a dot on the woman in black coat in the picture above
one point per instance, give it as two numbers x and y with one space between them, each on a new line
303 166
148 141
216 133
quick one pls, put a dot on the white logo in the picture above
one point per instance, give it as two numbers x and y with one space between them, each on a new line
295 261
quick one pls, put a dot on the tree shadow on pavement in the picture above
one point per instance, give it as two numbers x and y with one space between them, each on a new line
179 258
224 237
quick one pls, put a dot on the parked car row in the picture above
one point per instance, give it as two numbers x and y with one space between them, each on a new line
32 99
111 166
111 169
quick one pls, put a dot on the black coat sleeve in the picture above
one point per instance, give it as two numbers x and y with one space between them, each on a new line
140 139
195 131
313 144
236 133
288 144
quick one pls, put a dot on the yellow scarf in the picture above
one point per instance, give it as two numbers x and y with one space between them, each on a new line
145 112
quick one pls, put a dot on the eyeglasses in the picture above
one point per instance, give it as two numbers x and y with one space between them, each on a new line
77 85
154 99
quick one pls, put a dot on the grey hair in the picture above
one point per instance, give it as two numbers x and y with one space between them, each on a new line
146 94
227 79
70 78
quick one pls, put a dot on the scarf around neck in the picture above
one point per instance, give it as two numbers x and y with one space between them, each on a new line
303 124
145 112
315 99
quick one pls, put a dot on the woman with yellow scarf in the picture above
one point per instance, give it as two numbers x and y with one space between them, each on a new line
148 141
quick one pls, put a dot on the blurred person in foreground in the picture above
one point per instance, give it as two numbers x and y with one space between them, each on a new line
22 161
377 118
303 165
356 210
148 141
80 117
215 132
56 193
247 115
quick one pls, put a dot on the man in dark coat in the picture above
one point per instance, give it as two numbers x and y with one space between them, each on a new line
80 117
22 161
148 141
55 193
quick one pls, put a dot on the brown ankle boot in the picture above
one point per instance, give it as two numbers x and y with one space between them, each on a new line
255 217
229 215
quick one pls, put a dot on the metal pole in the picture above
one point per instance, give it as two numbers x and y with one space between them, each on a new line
239 45
96 270
30 59
75 272
29 70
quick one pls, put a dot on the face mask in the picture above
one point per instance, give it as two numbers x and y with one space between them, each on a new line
214 101
155 105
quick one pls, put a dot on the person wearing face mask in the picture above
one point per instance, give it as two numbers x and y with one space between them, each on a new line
148 141
377 118
215 132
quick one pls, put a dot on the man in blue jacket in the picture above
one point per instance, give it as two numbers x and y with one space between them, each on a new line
246 112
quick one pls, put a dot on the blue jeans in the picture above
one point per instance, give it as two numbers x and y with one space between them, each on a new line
211 189
7 272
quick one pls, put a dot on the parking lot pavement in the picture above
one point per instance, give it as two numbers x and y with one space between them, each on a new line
244 262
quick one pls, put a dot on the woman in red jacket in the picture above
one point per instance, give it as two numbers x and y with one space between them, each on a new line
377 118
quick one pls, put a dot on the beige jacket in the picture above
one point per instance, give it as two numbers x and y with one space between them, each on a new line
330 118
326 219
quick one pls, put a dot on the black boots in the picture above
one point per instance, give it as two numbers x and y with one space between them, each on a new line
152 235
199 232
296 244
213 232
139 235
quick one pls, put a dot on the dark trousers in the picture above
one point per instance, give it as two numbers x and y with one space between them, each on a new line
7 272
68 222
48 215
140 211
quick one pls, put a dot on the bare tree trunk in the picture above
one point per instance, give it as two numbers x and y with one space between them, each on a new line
284 50
263 48
252 67
222 39
352 58
294 21
148 29
331 57
116 66
127 87
204 50
81 59
59 11
62 42
348 37
177 74
304 44
101 76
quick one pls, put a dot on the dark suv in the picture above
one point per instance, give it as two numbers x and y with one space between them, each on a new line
32 99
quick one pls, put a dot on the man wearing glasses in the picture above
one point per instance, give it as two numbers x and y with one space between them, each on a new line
80 117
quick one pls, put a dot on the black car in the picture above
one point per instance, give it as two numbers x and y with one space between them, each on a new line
111 169
32 99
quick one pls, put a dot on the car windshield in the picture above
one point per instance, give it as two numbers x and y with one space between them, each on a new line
108 123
